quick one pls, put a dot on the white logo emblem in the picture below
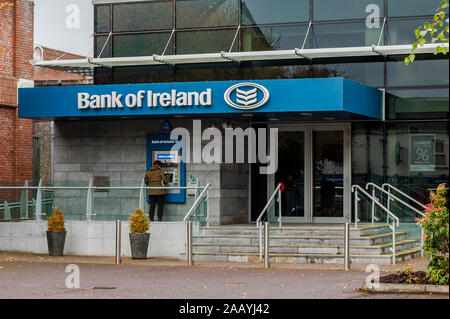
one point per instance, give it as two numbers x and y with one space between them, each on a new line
246 96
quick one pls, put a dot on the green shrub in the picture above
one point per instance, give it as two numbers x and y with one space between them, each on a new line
435 224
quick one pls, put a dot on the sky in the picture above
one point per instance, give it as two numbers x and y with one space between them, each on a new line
68 31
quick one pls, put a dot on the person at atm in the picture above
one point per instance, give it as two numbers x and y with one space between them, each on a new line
155 177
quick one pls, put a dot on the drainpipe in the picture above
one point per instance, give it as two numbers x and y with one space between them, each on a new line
52 152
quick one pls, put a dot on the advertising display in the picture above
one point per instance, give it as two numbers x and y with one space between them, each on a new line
422 152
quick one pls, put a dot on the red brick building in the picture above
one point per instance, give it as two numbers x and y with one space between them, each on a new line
16 50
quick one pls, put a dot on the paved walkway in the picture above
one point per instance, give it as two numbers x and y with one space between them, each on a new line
41 276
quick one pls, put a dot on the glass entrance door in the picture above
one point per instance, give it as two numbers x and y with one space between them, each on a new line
314 166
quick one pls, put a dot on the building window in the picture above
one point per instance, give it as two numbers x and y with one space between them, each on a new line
141 44
408 8
352 34
155 15
102 50
207 13
419 73
417 104
273 38
102 18
205 41
325 10
402 31
269 11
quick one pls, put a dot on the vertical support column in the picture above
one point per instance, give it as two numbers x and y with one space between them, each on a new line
394 248
189 256
279 208
356 208
142 195
347 246
39 201
260 242
118 258
24 202
422 234
89 201
373 205
266 245
7 211
207 206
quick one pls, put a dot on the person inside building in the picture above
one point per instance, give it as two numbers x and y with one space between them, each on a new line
155 177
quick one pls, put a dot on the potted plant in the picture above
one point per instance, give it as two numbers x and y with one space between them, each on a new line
139 238
56 233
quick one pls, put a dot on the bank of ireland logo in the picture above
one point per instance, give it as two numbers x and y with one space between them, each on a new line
246 96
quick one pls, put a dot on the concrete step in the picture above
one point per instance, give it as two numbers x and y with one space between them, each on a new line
295 230
307 257
303 248
293 240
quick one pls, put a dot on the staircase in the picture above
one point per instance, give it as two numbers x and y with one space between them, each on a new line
303 244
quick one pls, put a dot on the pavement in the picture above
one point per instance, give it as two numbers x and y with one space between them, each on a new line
41 276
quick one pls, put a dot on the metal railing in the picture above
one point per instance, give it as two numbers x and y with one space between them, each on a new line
389 187
38 202
204 196
395 220
264 211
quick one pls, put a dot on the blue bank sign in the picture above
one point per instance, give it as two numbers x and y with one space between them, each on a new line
265 96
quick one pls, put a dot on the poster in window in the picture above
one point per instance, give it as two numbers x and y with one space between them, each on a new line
422 149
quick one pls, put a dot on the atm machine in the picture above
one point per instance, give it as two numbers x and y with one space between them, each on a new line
171 167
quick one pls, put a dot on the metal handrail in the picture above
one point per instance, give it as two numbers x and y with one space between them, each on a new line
395 219
205 192
358 188
264 210
390 195
389 186
268 204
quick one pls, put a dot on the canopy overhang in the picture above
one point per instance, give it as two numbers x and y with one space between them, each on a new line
86 66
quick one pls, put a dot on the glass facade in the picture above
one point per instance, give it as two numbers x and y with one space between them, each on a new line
417 95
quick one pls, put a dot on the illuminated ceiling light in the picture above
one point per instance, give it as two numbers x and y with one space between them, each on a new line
179 116
273 119
329 118
306 114
247 115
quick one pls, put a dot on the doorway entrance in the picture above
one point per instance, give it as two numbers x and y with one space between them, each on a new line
314 166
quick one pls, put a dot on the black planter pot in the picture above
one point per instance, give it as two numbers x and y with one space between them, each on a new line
139 245
55 242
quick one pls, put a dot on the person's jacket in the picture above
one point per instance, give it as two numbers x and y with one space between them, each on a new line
155 178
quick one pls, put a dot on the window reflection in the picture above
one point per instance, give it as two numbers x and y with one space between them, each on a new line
140 44
273 38
269 11
405 8
344 35
143 16
402 31
205 41
207 13
102 19
345 9
419 73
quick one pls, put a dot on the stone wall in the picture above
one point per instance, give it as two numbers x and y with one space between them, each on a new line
117 149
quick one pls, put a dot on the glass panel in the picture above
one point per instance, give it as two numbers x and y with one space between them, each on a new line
405 8
143 74
269 11
205 41
102 76
291 172
344 35
328 174
141 44
273 38
102 18
254 72
368 73
214 72
143 16
345 9
414 169
99 44
419 73
402 31
417 104
207 13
